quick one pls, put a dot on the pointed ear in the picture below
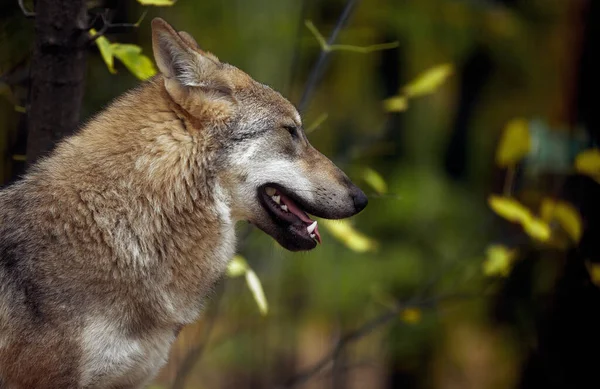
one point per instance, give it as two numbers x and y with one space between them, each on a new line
189 40
178 56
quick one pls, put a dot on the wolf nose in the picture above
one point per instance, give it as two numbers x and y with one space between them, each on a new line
360 199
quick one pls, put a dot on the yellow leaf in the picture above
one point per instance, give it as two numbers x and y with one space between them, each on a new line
411 315
594 271
257 291
513 211
105 51
132 57
565 214
537 229
158 3
237 266
428 81
515 143
498 260
343 231
375 180
588 163
509 208
395 104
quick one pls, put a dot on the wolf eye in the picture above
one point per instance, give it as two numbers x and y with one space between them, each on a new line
293 130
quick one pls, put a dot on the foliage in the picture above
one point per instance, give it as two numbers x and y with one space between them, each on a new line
588 162
130 55
499 260
425 83
428 170
239 267
515 143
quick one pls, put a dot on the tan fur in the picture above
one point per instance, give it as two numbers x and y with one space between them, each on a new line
110 245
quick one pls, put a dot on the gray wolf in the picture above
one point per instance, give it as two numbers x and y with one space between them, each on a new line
110 244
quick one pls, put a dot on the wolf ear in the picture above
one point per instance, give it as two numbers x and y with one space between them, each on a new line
179 57
189 40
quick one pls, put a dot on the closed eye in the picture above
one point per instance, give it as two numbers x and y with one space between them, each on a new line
293 130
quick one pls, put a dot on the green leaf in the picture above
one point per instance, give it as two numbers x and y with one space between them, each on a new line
375 180
158 3
499 260
237 266
395 104
106 52
515 143
131 55
428 81
257 291
343 231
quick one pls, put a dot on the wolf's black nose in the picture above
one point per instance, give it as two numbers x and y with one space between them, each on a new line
360 199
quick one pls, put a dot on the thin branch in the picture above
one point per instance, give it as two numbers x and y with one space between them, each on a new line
353 48
365 49
317 69
26 12
362 331
317 123
107 24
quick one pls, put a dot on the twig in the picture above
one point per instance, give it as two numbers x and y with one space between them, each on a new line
317 69
362 331
26 12
107 24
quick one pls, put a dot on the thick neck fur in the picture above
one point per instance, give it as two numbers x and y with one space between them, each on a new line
140 184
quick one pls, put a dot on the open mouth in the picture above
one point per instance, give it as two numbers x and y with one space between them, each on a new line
296 230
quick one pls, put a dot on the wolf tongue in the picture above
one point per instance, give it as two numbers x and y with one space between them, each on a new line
293 208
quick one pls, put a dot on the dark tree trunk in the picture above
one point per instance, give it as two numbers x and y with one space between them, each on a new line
57 73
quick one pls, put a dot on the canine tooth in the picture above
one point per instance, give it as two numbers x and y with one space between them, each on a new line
312 236
270 191
311 228
284 207
276 198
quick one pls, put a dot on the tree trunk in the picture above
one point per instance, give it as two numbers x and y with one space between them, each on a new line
57 73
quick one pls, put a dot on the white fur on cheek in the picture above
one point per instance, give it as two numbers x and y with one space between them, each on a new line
285 173
261 169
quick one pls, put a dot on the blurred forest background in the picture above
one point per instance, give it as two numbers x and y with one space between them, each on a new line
471 125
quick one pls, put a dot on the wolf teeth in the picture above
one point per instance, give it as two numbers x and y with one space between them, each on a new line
313 236
284 207
311 228
276 198
270 191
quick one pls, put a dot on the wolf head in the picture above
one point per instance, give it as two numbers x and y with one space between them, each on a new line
271 174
